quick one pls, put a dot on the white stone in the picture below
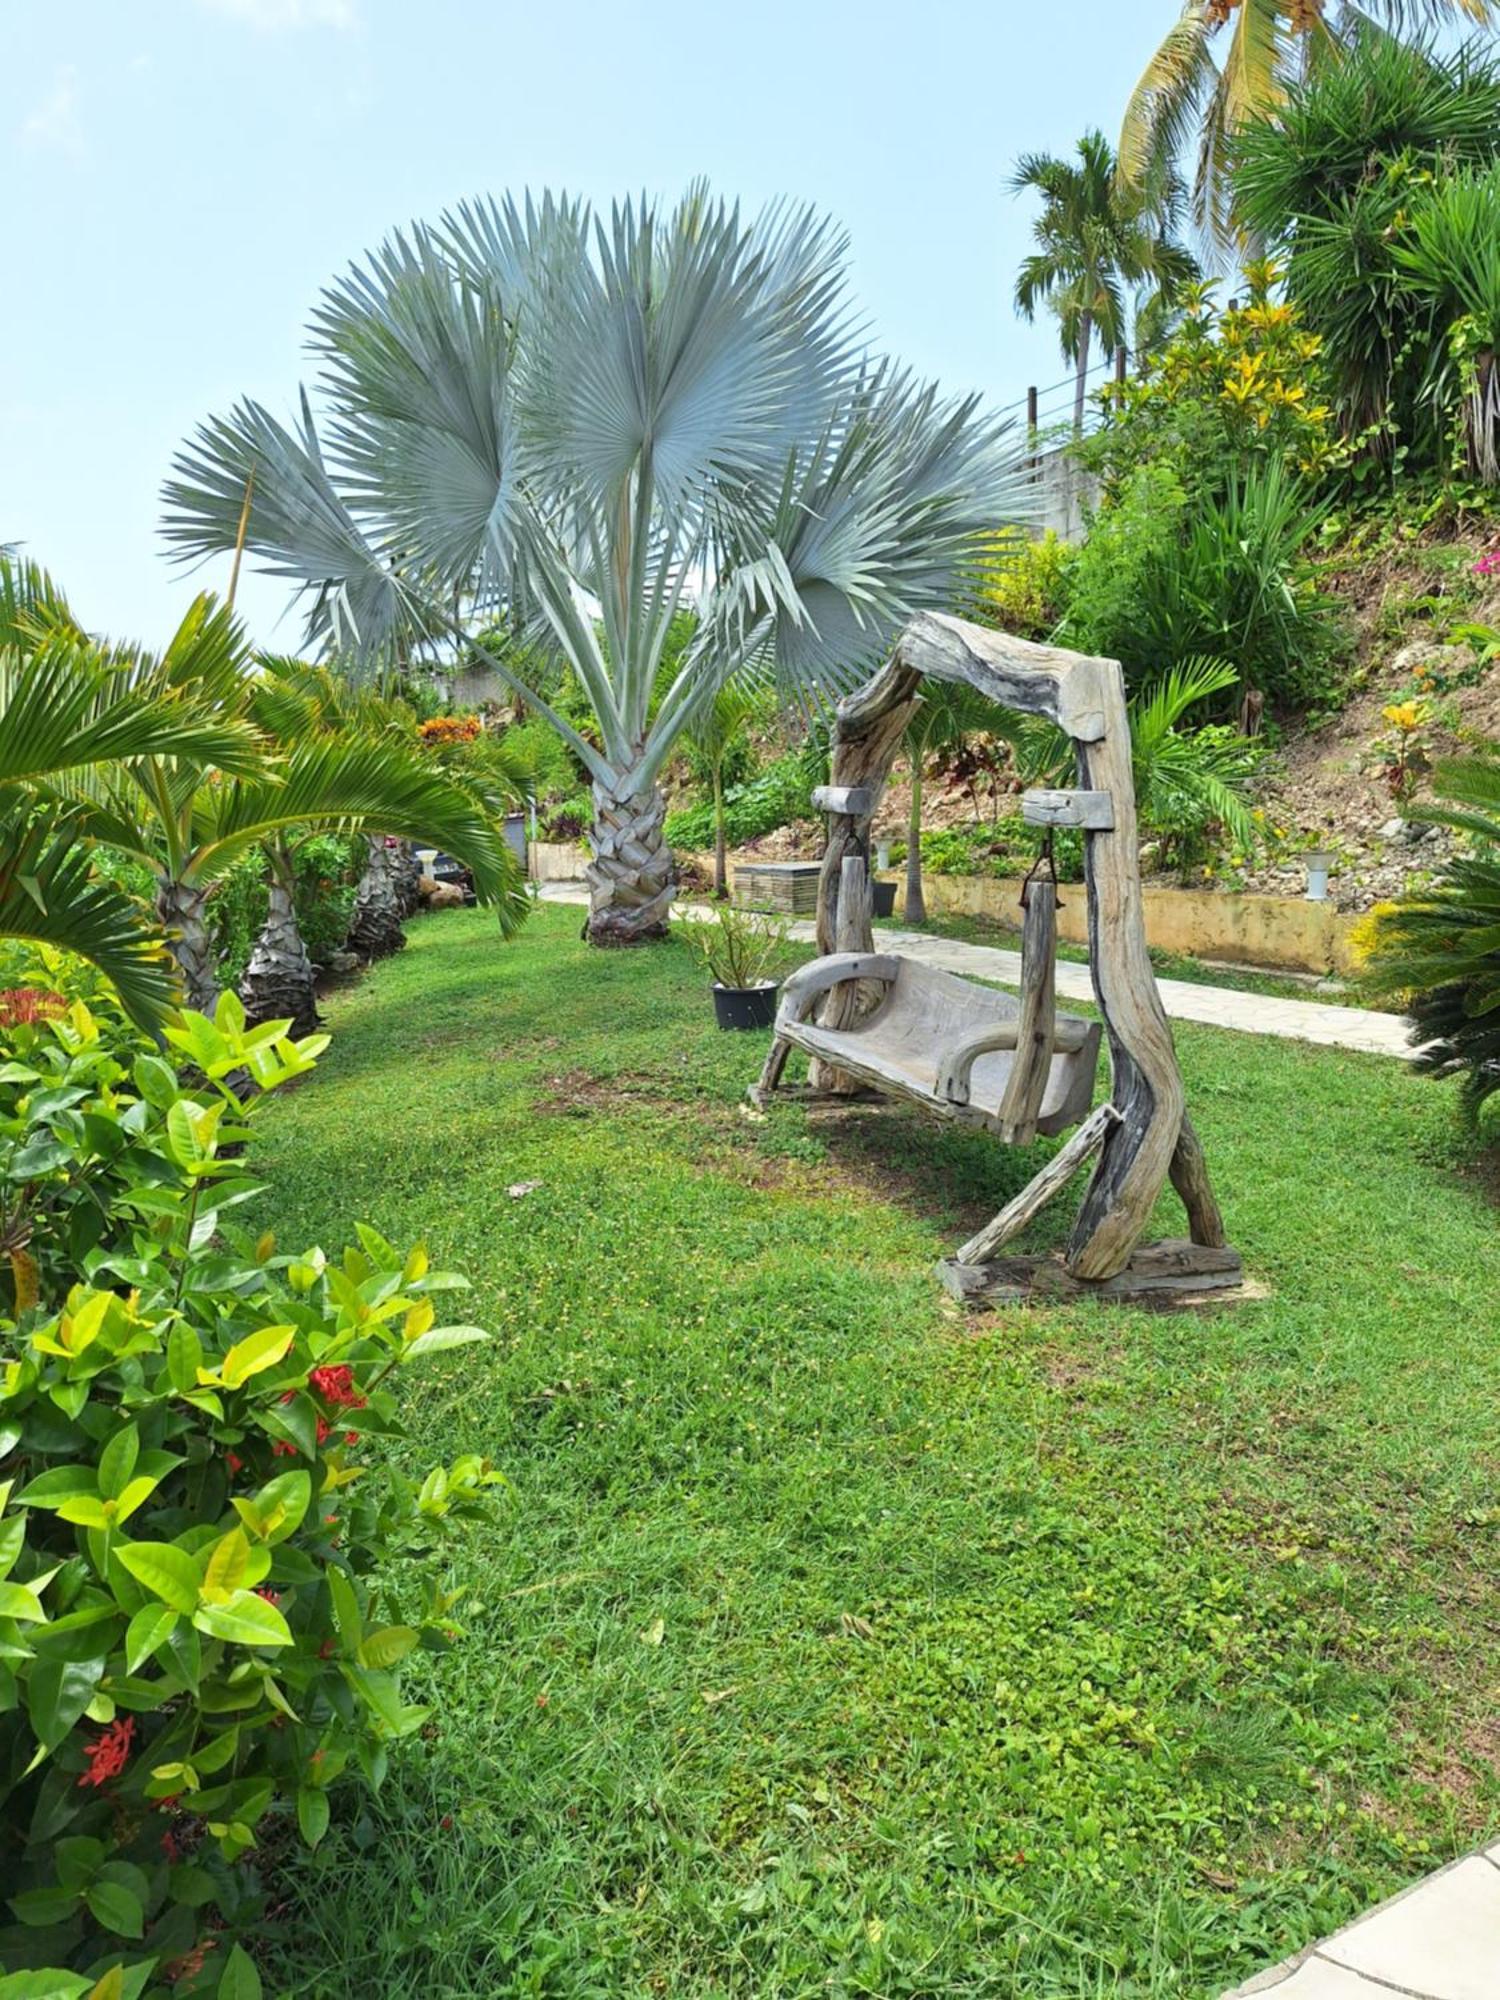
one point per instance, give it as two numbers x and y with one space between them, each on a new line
1441 1940
1313 1979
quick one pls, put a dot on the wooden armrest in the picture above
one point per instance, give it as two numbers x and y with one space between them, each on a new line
953 1071
1068 1036
804 986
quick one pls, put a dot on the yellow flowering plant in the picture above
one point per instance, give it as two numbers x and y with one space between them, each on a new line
1231 385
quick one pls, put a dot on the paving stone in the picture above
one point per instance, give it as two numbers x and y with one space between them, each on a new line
1313 1979
1441 1940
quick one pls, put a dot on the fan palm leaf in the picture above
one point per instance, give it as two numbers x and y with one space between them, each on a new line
589 424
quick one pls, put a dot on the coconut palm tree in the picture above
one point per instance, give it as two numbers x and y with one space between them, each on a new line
587 428
1096 237
1224 62
72 714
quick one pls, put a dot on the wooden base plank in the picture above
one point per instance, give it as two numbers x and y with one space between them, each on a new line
1174 1273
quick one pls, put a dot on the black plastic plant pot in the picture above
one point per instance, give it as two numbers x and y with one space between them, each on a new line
746 1006
884 894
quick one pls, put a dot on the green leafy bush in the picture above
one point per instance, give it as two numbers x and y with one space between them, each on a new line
777 796
1163 580
200 1636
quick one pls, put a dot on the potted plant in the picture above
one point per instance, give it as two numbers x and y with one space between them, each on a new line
743 952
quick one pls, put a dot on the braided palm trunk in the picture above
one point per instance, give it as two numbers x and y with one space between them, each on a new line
181 907
632 876
375 925
278 983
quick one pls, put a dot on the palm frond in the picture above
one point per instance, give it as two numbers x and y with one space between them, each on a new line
357 784
50 895
298 523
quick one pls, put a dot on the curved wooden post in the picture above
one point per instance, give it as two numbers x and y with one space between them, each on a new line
867 734
1149 1135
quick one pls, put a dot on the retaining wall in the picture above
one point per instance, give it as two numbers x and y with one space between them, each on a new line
1277 933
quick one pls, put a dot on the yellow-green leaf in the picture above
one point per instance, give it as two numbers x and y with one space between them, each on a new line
256 1352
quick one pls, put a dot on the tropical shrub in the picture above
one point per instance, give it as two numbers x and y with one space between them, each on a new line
1330 177
1436 950
200 1634
1163 580
774 797
1023 587
1228 391
1191 784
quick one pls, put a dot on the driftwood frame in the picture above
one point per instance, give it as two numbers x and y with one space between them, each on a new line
1146 1136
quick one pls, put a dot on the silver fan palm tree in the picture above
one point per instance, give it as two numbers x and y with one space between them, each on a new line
592 426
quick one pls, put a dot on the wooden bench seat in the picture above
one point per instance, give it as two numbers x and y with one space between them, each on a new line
939 1040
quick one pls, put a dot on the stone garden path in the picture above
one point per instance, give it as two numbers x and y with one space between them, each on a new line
1358 1028
1437 1941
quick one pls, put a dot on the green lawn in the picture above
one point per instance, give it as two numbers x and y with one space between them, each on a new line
833 1644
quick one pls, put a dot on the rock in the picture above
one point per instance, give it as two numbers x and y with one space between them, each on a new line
343 961
445 896
1436 658
1394 829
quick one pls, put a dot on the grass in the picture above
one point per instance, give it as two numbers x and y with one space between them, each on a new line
832 1644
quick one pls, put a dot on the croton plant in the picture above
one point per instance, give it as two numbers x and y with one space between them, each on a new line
200 1638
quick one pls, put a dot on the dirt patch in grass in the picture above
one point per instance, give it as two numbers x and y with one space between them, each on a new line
577 1093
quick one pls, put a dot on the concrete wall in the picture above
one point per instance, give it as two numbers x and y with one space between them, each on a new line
1061 493
1277 933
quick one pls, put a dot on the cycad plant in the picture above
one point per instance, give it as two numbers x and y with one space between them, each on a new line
1437 949
1100 241
589 428
71 715
1189 783
1223 62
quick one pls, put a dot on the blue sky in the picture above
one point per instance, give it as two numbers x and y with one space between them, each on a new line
182 176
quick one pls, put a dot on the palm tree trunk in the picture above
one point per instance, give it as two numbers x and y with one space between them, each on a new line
632 875
375 926
1080 392
721 849
279 980
180 907
914 908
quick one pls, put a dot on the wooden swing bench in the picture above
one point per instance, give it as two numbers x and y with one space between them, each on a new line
1013 1067
954 1048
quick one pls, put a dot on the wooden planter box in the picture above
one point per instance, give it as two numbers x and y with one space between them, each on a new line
788 886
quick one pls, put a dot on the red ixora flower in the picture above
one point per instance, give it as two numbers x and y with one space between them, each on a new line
109 1753
271 1596
24 1006
336 1387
